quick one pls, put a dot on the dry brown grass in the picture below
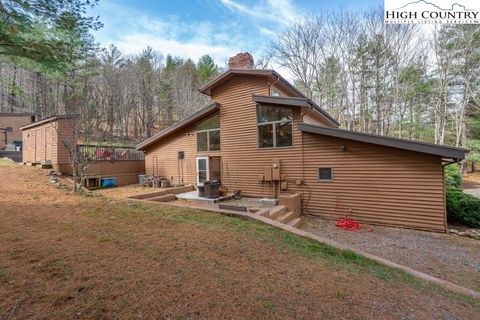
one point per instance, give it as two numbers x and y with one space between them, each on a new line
64 256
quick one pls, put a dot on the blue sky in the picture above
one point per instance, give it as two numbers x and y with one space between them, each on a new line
192 28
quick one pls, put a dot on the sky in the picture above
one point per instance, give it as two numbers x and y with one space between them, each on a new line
192 28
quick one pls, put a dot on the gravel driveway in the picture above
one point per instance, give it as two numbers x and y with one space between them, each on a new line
453 258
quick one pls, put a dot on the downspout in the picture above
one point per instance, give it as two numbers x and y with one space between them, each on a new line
303 152
305 202
270 86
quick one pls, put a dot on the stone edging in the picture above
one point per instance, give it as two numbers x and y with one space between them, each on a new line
472 233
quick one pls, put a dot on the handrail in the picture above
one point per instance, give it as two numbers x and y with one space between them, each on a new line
98 153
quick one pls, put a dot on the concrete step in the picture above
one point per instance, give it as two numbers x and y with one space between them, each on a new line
164 198
287 216
295 222
277 211
264 212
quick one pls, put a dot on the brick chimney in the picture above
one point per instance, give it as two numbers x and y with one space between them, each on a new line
243 60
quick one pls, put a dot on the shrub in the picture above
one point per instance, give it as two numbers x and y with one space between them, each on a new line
453 177
462 208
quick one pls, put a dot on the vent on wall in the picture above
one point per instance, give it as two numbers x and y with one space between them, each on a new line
181 155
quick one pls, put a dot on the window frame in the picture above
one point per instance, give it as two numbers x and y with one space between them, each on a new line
208 134
274 129
331 173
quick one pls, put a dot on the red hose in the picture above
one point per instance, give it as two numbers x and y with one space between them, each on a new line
348 224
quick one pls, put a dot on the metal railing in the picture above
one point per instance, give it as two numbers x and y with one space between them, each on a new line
109 153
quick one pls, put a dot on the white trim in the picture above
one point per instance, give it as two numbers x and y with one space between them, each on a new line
207 176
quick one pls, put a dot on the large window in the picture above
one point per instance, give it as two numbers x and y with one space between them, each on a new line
274 127
208 134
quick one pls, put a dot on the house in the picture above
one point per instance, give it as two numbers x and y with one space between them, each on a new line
10 124
262 136
46 143
11 135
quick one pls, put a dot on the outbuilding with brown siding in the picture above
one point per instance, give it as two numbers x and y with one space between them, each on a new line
273 140
44 143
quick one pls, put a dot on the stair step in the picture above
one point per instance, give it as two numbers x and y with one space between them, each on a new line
295 222
264 212
289 215
277 211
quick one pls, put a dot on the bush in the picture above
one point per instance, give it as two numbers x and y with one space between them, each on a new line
462 208
453 177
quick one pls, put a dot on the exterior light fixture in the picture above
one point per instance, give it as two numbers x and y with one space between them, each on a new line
343 147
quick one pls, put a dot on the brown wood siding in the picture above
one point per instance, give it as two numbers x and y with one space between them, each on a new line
242 161
44 142
163 157
375 184
315 119
65 131
379 184
126 172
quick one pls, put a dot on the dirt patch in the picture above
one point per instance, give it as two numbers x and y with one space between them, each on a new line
449 257
65 256
126 191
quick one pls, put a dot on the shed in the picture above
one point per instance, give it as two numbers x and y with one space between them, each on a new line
45 144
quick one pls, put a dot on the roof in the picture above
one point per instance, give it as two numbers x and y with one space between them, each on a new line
230 73
16 114
49 119
291 101
202 113
417 146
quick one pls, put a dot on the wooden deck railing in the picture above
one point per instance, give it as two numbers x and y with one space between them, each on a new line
109 153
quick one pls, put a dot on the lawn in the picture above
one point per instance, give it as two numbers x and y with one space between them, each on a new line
67 256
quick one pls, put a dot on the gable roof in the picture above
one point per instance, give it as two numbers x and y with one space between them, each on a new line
230 73
291 101
417 146
200 114
50 119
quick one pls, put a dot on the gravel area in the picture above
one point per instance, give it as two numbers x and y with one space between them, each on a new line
453 258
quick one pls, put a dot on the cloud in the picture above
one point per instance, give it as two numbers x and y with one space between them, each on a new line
132 31
226 33
278 11
133 43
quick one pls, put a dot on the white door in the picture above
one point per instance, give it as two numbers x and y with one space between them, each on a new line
203 173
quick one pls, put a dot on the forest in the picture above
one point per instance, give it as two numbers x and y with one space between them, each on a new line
409 81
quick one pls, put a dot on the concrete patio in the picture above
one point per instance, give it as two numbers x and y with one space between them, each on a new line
193 195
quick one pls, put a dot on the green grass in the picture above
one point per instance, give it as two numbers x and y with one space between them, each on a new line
3 271
270 306
283 240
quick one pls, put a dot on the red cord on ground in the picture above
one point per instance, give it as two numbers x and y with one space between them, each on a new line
348 224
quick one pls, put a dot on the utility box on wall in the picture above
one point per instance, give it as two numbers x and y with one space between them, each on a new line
267 173
276 169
